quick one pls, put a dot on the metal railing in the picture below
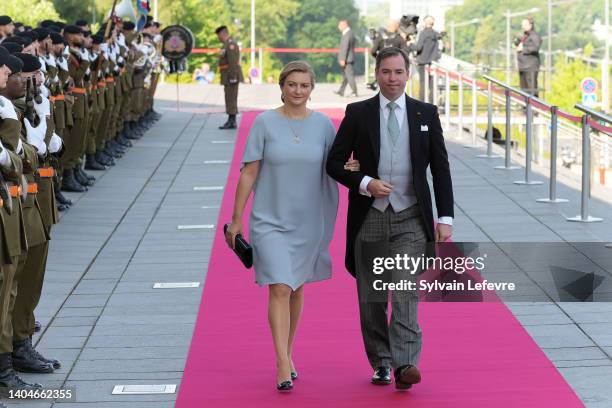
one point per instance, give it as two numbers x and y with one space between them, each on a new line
496 90
586 161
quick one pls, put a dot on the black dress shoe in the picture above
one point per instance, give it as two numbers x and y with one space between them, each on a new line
37 326
285 386
406 376
25 362
382 376
228 125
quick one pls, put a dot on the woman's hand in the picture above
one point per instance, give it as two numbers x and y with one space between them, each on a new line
234 229
352 165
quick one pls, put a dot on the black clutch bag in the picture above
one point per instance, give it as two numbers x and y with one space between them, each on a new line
242 249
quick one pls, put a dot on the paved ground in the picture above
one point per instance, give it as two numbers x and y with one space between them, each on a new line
108 325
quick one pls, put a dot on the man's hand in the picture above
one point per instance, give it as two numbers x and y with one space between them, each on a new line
519 48
342 63
379 188
351 165
443 232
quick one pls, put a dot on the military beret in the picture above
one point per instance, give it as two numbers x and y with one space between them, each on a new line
46 23
128 25
28 35
56 38
42 33
17 40
12 47
97 38
81 23
72 29
60 24
54 28
4 56
14 64
5 20
30 62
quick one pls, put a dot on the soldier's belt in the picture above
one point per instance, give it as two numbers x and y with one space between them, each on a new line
57 98
1 203
224 67
15 191
101 84
110 80
32 188
80 91
46 172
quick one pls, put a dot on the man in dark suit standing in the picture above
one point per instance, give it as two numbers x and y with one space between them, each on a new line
395 138
528 56
346 58
427 51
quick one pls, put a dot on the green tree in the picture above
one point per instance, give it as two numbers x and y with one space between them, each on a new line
316 26
29 12
72 10
566 81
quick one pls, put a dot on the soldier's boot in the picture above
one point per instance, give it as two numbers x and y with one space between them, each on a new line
25 362
122 140
82 177
131 132
109 151
104 159
53 362
62 199
230 124
115 146
92 164
37 326
9 380
70 183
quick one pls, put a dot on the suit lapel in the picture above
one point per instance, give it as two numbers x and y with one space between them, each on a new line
373 123
412 112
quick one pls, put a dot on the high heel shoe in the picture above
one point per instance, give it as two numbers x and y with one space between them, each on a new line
294 375
285 386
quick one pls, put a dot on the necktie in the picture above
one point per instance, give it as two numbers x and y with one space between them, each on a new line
392 123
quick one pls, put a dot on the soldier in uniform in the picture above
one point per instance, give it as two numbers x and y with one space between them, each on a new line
231 75
40 143
12 156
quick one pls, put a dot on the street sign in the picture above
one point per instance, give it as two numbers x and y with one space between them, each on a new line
589 100
588 86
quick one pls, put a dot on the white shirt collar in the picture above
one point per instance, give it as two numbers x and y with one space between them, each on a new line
401 101
346 30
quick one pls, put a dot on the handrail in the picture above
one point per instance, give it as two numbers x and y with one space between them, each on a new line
593 113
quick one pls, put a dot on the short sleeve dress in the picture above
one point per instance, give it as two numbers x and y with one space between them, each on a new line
295 202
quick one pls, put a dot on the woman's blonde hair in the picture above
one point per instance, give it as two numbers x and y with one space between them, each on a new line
296 66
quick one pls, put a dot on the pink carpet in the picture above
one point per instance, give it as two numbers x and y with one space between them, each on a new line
474 355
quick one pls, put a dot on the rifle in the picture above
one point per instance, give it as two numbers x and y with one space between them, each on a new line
29 113
36 91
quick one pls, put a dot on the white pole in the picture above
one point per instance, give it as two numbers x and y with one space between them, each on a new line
155 10
252 33
605 66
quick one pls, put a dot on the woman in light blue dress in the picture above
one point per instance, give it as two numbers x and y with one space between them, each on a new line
294 206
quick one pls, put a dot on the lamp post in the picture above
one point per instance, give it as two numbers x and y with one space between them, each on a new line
549 68
454 25
605 64
252 33
509 15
